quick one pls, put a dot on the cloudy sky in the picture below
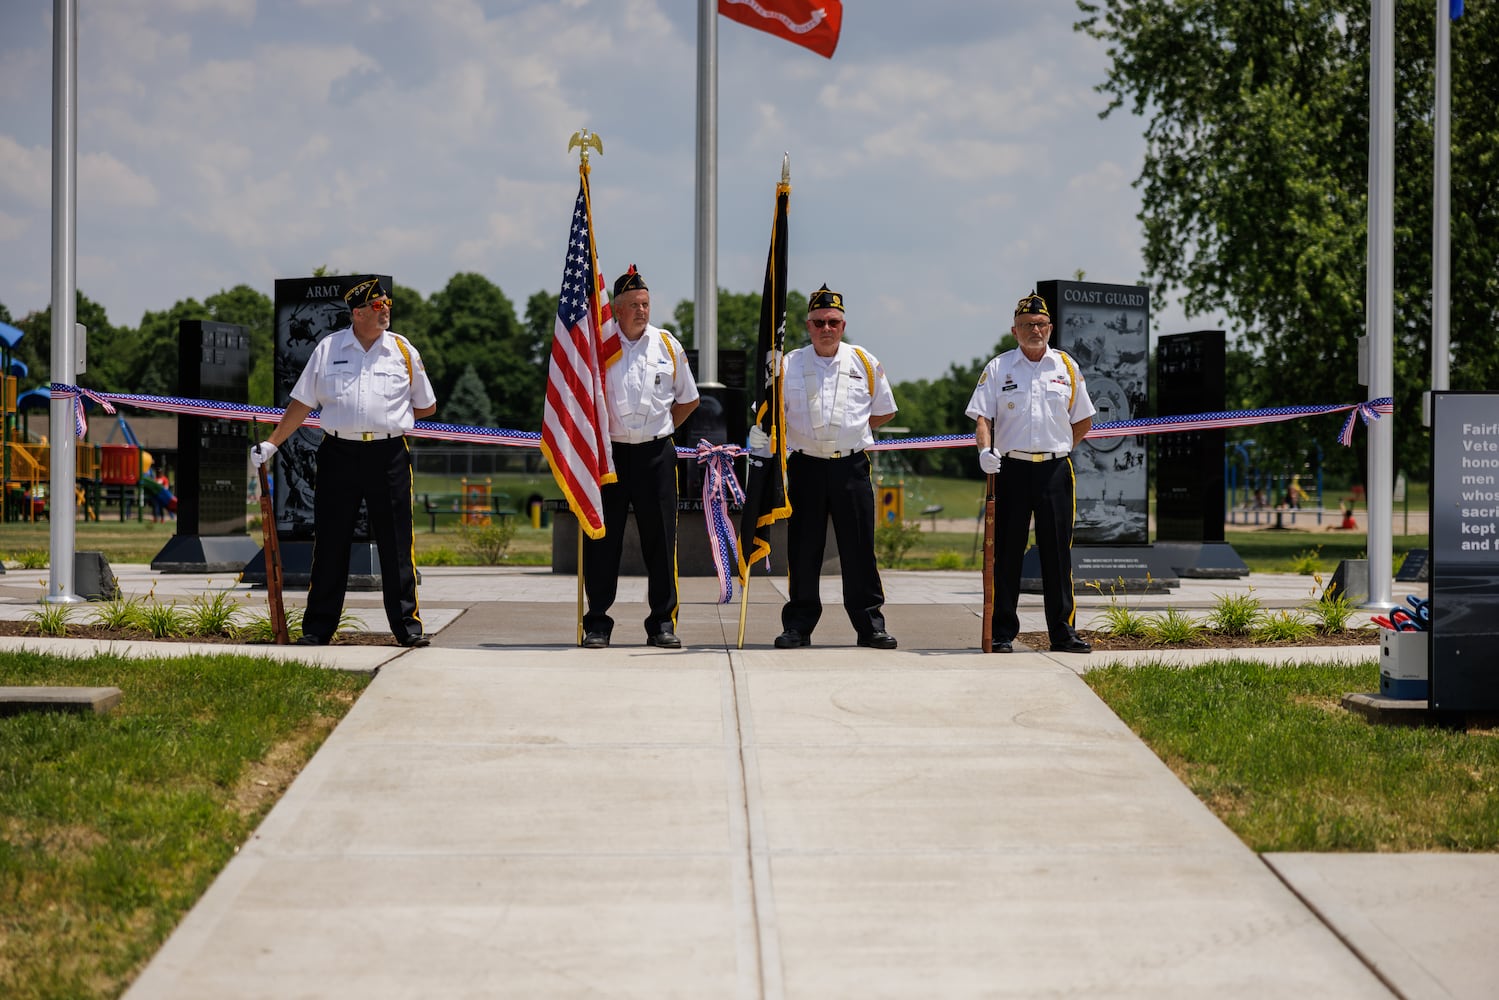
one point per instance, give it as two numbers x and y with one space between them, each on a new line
942 161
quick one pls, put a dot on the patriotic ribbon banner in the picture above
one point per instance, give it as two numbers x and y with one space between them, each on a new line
1371 410
720 488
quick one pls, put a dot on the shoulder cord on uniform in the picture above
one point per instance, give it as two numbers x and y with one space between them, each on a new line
666 342
868 368
406 354
1072 377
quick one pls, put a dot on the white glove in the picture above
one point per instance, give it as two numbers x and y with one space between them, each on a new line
759 442
989 460
261 453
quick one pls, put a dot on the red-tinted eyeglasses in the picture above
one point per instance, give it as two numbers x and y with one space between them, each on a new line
820 323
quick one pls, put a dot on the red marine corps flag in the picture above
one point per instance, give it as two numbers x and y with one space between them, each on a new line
813 24
575 424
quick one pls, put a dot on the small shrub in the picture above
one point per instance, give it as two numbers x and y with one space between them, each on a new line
893 540
440 556
350 623
50 619
1117 617
33 559
948 559
162 621
1173 627
1332 612
258 628
1283 626
119 614
212 615
1235 614
487 542
1308 562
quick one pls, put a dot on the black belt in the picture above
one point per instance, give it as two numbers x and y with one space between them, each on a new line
836 454
365 435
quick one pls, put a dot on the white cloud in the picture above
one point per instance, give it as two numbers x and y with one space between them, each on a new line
26 173
104 181
225 141
11 227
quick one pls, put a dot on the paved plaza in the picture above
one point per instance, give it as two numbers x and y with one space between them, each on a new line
504 814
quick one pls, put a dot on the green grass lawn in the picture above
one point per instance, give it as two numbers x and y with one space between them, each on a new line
112 826
1272 753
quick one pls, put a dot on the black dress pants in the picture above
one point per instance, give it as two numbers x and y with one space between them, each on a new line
647 481
378 473
837 488
1047 490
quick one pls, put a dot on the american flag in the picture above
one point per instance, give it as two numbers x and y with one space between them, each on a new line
575 425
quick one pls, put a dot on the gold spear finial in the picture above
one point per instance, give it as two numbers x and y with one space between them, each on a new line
584 139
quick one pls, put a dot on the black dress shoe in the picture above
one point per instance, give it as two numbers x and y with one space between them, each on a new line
1073 645
416 641
879 639
596 640
665 639
1002 646
310 640
791 639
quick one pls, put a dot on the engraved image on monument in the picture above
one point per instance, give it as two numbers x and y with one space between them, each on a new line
1105 329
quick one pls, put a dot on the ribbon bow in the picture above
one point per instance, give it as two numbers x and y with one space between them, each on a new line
720 486
77 394
1365 410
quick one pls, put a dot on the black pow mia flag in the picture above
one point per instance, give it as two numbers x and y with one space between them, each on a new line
765 492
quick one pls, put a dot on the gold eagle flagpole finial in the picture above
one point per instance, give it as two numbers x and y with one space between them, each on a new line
584 139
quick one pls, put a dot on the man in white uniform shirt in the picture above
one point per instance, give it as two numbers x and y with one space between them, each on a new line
371 387
650 391
836 395
1032 408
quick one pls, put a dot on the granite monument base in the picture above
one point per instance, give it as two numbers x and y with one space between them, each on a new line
694 556
200 554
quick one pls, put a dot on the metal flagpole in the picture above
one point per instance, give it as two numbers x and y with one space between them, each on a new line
1380 306
1441 219
705 309
64 294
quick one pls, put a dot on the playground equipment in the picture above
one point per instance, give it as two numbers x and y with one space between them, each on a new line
1258 494
476 507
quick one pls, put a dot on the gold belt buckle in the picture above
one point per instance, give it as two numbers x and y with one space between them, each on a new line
836 454
1040 456
367 436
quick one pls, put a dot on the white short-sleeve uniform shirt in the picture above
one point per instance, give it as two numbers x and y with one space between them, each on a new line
829 400
359 390
649 378
1032 404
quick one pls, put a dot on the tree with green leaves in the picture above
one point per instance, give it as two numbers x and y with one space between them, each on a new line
739 321
1255 182
469 402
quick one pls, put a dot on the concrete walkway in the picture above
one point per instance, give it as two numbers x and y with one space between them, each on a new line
503 814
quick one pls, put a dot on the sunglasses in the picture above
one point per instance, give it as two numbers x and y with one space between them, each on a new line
820 323
379 305
1037 326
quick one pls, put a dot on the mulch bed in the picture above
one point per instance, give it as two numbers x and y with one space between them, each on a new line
79 631
1034 640
1209 640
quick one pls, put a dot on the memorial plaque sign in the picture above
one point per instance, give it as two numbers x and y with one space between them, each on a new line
1464 563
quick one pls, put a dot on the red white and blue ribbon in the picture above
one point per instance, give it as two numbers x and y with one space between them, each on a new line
1366 410
1370 410
720 486
720 489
